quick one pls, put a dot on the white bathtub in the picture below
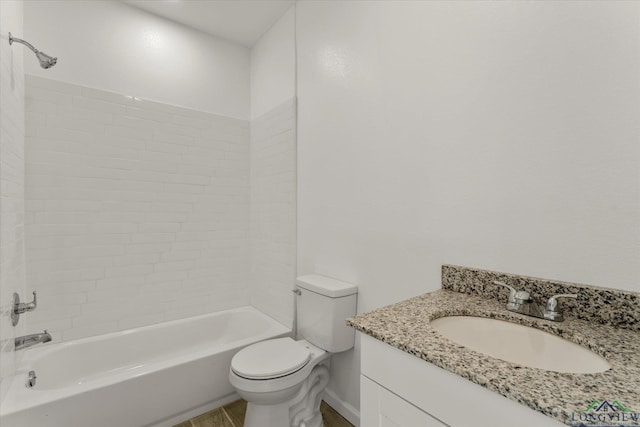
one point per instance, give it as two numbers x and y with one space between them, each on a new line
156 375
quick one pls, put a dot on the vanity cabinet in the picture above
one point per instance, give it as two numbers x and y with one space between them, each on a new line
399 389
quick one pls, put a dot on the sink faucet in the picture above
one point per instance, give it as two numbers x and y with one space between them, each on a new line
31 340
522 302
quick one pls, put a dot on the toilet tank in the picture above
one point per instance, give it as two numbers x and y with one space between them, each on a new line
323 305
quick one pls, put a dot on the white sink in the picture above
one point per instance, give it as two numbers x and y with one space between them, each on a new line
519 344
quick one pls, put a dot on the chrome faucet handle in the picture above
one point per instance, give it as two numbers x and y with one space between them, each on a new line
552 304
21 307
552 311
512 292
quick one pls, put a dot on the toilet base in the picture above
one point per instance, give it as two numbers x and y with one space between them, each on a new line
303 410
267 415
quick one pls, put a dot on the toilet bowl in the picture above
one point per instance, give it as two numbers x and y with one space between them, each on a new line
270 375
283 380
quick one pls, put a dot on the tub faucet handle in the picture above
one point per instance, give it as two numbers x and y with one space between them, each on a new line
22 307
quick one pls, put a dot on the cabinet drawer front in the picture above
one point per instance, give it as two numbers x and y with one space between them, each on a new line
381 408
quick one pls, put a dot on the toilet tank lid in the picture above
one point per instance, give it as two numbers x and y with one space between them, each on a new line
326 286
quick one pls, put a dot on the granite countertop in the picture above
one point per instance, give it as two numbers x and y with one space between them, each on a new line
406 325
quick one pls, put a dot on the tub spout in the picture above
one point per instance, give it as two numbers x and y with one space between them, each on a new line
31 340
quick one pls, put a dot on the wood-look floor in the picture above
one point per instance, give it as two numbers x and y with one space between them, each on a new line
232 415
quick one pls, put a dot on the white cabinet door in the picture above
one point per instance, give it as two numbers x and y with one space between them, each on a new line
381 408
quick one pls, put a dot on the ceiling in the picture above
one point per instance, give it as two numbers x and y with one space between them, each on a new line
240 21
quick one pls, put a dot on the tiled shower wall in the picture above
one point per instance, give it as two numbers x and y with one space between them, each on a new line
136 212
12 262
273 211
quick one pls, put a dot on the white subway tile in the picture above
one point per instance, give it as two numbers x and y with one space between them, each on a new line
171 207
115 131
127 200
165 217
68 275
61 252
192 236
119 282
68 263
104 150
165 147
153 237
161 136
145 248
59 120
62 205
180 256
159 227
144 113
158 156
135 259
191 122
189 246
120 141
173 266
129 270
156 166
95 104
185 188
113 227
165 276
109 162
125 206
98 241
205 170
191 179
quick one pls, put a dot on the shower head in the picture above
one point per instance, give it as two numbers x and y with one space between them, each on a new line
46 61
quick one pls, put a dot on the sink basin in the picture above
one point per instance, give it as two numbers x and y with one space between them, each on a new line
519 344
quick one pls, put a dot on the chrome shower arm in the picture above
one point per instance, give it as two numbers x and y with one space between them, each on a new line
24 42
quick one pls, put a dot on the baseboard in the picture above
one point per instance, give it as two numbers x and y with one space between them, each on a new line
343 408
177 419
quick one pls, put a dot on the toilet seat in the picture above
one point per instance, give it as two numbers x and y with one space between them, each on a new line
270 359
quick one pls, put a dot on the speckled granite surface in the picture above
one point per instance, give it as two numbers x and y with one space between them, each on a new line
406 325
603 305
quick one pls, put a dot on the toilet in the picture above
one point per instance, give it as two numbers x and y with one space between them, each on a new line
282 379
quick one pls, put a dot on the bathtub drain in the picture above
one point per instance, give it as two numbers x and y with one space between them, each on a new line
32 379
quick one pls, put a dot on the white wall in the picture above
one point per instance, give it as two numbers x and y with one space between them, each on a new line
115 47
12 261
498 135
273 66
137 212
